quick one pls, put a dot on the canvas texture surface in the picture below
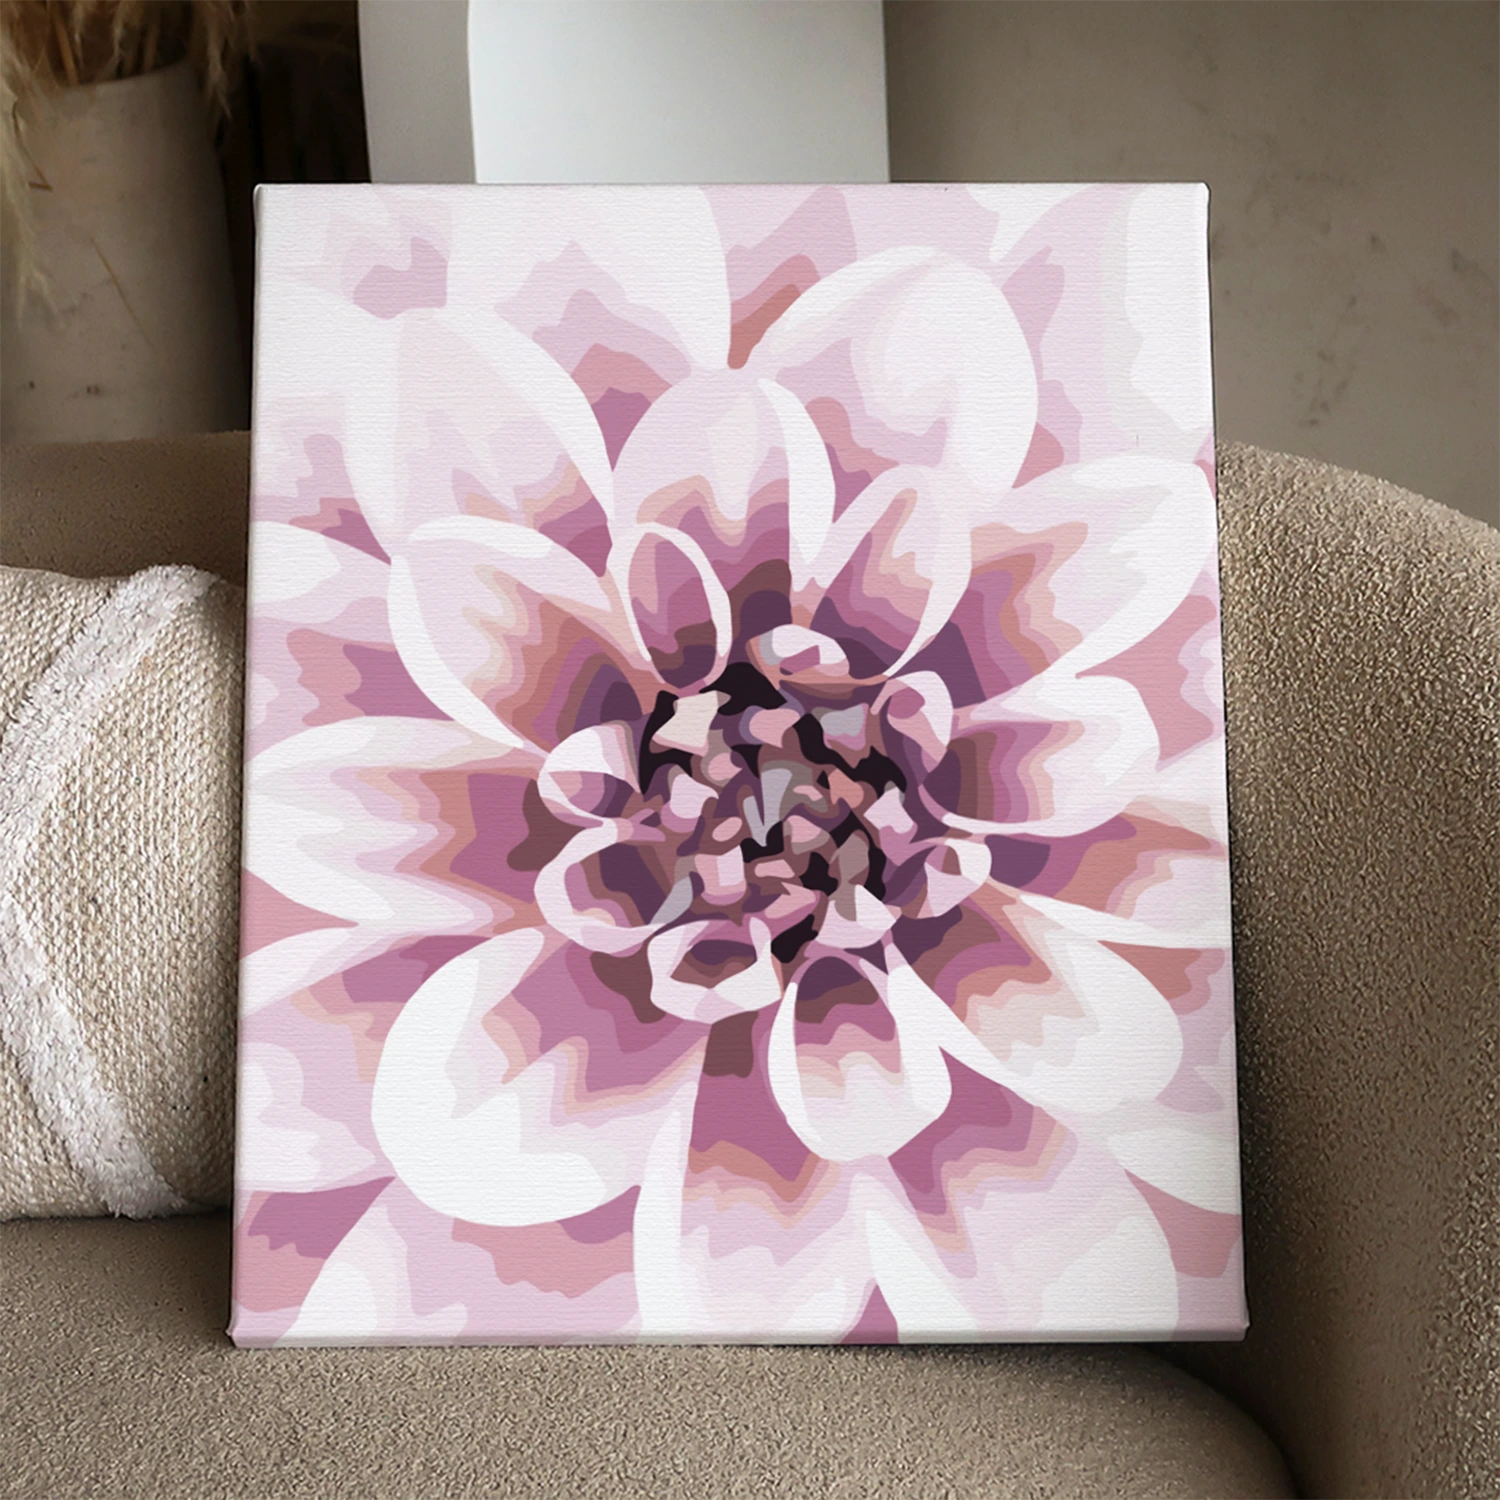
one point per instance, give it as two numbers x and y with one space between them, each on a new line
735 840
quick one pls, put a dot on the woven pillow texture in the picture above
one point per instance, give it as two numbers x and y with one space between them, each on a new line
120 713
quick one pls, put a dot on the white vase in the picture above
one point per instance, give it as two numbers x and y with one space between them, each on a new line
140 339
737 91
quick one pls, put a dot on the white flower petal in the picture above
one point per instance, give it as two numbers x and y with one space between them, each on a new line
868 1109
661 1290
601 754
1199 1166
1072 754
663 263
672 611
1151 530
1120 1287
284 1147
325 339
1166 301
590 927
920 1294
363 1295
930 341
282 968
484 610
515 1157
810 488
420 656
1019 205
329 828
1204 926
1103 1034
752 988
476 392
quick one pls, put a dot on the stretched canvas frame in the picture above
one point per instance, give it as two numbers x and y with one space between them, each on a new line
735 835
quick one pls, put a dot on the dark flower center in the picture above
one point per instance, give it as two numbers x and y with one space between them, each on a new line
764 817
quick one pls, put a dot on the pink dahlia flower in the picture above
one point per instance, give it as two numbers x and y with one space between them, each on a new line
735 841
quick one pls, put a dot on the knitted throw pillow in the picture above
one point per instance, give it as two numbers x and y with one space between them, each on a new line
119 822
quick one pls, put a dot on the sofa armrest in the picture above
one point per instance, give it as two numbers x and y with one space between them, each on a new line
1362 648
100 510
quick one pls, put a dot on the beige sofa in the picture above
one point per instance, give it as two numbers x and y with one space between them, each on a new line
1361 627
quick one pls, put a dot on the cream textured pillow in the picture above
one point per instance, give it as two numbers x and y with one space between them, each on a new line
120 708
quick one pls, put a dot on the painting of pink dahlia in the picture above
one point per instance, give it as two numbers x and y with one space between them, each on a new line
735 839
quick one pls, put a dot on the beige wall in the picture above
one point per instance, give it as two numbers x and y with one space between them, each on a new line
1353 156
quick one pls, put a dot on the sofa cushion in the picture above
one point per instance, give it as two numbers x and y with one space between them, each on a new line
120 1381
119 840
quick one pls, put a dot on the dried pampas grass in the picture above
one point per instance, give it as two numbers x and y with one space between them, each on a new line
51 44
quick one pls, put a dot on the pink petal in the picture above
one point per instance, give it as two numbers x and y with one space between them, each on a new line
301 1139
364 1292
320 640
705 971
918 707
372 818
1100 255
851 1080
629 312
955 869
605 888
389 257
267 917
367 996
512 634
1140 857
591 776
301 478
456 1282
680 610
999 1217
1056 756
909 356
282 1241
563 1081
555 1283
955 219
802 657
890 572
855 918
765 1243
730 461
1072 570
1179 672
777 243
488 426
1052 1015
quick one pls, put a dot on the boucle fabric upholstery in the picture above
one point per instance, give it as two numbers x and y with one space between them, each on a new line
124 1386
96 510
1362 661
1362 635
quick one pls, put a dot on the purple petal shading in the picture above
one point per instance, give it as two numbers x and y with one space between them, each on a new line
385 686
387 292
313 1223
268 916
617 413
343 521
394 977
571 1256
986 1128
877 1324
740 1138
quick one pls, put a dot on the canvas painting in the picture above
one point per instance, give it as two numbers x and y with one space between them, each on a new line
735 834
